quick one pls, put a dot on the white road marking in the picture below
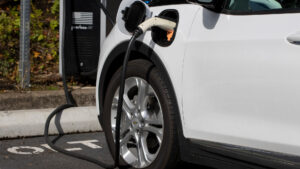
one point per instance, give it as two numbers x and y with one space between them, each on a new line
16 150
20 150
73 149
48 147
88 143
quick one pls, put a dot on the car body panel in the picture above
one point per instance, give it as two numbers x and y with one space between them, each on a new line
241 81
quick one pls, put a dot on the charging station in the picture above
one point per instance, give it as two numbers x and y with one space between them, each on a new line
83 27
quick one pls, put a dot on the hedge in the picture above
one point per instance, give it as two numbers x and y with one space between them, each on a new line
44 39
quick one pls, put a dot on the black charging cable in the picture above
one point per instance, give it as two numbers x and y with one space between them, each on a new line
72 103
136 34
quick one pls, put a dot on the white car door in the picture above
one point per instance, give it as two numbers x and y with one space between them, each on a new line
241 80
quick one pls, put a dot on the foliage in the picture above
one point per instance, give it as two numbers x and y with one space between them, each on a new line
44 39
9 41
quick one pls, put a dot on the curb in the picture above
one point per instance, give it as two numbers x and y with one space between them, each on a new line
45 99
28 123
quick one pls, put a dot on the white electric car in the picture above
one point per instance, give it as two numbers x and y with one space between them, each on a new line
222 90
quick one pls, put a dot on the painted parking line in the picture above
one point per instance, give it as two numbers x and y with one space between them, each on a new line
17 150
31 150
89 144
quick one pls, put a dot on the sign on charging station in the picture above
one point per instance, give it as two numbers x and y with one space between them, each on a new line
83 28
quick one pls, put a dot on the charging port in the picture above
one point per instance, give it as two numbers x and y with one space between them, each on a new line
162 37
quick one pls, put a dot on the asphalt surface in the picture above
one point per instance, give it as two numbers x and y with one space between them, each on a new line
32 153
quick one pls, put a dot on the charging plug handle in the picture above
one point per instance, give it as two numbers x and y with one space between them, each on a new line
162 23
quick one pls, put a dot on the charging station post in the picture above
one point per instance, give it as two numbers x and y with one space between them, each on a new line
24 63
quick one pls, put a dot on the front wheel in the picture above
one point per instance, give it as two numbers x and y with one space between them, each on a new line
148 130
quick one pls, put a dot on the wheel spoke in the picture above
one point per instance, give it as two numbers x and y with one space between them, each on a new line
125 124
142 93
127 107
126 138
149 157
141 152
126 116
155 130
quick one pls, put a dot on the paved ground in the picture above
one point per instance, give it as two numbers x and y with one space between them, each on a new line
32 153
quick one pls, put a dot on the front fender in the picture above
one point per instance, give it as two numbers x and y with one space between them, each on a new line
168 59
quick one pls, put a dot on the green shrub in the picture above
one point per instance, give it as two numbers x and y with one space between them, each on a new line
44 39
9 41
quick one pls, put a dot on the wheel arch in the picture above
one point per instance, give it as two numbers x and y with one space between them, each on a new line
115 60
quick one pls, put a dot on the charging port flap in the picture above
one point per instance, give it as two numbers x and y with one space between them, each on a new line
162 37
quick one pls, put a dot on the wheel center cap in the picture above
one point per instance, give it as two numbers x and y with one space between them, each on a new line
136 123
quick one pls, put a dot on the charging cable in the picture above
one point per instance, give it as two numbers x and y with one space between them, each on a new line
142 28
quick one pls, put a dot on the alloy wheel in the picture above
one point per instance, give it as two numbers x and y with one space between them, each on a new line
142 123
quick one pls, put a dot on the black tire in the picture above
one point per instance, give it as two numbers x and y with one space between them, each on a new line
168 156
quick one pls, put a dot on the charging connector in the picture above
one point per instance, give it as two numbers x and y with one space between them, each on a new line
164 24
